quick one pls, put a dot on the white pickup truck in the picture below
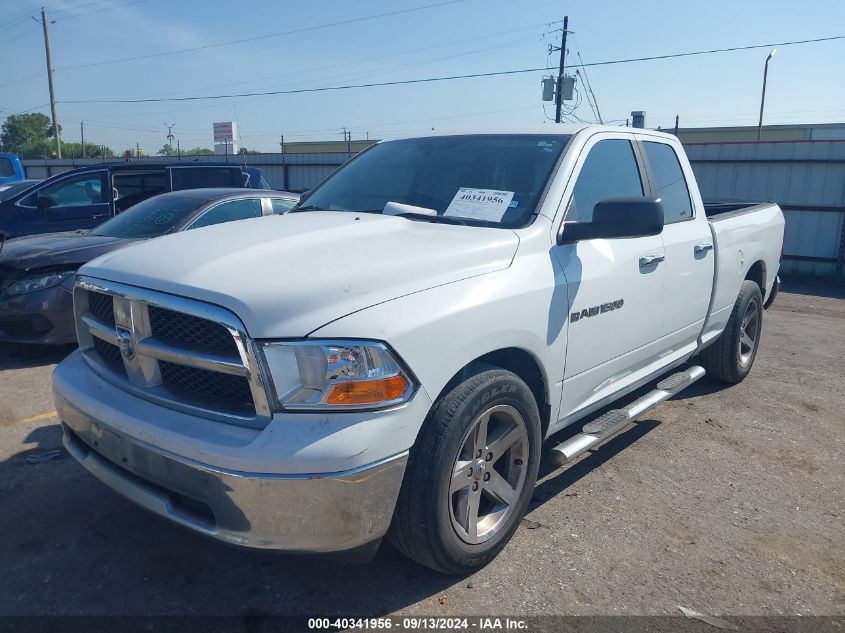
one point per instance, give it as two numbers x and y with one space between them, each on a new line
388 358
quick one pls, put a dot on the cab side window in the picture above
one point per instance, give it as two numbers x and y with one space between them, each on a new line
669 182
82 190
230 211
610 171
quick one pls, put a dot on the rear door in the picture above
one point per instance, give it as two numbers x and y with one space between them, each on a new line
687 242
614 286
80 201
131 187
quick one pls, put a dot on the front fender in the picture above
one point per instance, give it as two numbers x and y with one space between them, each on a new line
439 331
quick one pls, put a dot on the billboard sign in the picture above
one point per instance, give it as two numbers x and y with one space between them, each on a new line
224 132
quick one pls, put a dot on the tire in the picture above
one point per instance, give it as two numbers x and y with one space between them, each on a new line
447 480
730 357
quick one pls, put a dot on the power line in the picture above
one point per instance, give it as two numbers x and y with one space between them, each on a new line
14 81
589 88
110 8
19 36
353 62
264 37
448 77
14 23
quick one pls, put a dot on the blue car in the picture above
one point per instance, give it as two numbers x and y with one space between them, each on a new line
86 197
11 168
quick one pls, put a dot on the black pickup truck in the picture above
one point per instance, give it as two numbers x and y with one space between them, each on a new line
88 196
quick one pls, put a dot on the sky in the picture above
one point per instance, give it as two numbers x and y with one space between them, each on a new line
302 46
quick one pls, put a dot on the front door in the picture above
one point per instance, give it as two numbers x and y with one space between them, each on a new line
614 286
76 202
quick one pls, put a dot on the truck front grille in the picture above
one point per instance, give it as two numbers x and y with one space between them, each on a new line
184 354
110 355
102 307
183 329
226 392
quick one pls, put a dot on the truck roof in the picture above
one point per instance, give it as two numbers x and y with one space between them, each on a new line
128 166
551 129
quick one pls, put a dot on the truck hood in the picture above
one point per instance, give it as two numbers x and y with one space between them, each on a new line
287 275
53 250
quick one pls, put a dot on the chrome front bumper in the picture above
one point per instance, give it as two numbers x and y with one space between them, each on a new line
326 512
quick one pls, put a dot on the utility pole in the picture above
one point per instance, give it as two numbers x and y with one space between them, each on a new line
347 136
82 134
56 136
178 150
677 118
763 96
170 136
559 90
282 147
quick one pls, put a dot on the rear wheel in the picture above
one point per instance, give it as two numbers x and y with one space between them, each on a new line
730 357
471 474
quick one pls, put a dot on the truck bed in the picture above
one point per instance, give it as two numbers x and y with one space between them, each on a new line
748 238
718 209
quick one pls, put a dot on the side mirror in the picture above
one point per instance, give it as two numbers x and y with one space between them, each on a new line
44 202
617 218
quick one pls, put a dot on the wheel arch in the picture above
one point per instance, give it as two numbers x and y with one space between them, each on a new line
757 274
520 362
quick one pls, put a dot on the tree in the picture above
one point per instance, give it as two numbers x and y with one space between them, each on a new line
92 150
27 134
244 150
167 150
199 151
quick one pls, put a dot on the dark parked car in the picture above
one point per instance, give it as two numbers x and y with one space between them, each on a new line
36 272
86 197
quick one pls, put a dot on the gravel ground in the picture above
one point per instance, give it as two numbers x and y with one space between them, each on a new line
725 500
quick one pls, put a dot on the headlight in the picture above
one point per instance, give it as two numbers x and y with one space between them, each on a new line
38 282
334 374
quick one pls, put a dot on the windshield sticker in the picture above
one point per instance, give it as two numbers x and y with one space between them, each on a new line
164 218
479 204
513 204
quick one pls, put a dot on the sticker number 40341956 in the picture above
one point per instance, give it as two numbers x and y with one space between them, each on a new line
479 204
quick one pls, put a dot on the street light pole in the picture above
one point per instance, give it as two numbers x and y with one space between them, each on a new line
763 95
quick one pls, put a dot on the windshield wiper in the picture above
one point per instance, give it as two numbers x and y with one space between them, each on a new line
307 207
423 217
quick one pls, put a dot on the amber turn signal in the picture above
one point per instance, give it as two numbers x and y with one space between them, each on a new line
368 391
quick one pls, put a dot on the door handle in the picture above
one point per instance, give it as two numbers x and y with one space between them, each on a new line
703 247
650 260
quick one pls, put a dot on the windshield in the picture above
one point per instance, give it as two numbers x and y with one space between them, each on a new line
491 180
150 218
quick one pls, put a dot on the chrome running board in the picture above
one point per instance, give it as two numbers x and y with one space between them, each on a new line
612 422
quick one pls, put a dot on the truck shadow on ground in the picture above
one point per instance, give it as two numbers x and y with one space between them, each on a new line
16 356
71 545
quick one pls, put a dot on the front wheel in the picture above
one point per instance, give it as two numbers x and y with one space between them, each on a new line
730 357
471 473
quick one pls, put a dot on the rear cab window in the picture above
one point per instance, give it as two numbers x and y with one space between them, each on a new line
201 177
6 167
668 181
